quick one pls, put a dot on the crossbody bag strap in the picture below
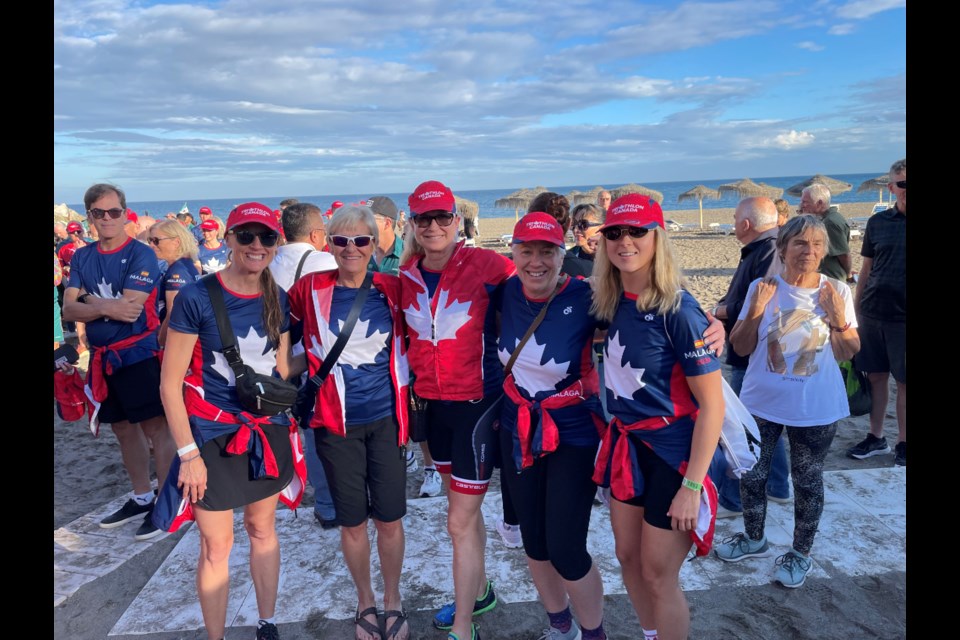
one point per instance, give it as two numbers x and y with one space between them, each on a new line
227 338
303 259
334 353
533 327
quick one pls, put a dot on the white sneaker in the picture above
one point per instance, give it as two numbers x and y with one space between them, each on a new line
412 465
431 486
603 496
510 534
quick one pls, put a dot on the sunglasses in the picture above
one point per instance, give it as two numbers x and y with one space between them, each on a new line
267 238
443 220
100 214
583 225
358 241
901 184
614 233
156 241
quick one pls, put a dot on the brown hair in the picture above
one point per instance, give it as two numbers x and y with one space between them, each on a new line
272 315
99 190
555 204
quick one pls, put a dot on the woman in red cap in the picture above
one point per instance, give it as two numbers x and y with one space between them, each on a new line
446 296
664 391
228 457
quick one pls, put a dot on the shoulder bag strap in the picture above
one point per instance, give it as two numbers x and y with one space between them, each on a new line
334 353
533 326
303 259
227 338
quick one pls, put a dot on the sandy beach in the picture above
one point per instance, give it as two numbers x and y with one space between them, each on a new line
88 474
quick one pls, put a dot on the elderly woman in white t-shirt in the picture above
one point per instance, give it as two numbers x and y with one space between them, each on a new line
795 328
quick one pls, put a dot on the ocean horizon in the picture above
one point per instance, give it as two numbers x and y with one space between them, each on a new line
486 197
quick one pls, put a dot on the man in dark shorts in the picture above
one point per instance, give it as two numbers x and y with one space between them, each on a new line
112 290
881 304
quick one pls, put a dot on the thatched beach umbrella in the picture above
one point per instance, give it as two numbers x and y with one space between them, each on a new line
467 208
836 186
747 188
572 197
519 199
636 188
587 197
63 213
698 193
879 183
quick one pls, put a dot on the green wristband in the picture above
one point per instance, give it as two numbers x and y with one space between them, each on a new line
690 484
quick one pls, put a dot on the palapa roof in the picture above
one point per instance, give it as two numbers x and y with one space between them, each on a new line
880 182
636 188
836 186
587 197
747 188
699 192
519 199
467 208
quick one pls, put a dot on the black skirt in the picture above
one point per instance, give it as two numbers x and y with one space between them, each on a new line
230 481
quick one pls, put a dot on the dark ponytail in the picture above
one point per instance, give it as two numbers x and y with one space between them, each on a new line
272 316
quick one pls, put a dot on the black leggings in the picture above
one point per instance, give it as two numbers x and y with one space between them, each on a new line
553 499
808 450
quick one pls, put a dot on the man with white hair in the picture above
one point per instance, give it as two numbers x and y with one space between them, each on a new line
836 263
755 225
603 200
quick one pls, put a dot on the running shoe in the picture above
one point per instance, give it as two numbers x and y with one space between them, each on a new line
444 618
130 510
792 569
431 486
739 547
869 447
510 534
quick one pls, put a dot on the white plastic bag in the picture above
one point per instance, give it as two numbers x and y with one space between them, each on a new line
739 436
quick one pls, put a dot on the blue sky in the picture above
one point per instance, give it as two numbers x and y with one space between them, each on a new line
271 98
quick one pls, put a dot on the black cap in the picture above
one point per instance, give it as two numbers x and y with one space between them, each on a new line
383 206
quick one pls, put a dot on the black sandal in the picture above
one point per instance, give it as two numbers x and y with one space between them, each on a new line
365 624
401 619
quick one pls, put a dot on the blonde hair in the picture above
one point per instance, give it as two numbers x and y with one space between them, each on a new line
412 248
173 229
663 294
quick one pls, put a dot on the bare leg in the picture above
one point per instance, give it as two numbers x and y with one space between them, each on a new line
901 411
213 571
356 554
663 553
259 519
390 547
163 447
136 454
628 532
880 393
427 458
465 526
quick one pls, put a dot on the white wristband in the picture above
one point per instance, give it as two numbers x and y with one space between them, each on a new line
187 449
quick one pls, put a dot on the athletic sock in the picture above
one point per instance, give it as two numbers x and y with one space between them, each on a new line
430 466
263 621
561 621
594 634
143 499
649 634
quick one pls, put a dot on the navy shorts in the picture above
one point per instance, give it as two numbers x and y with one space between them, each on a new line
883 348
660 485
133 393
366 471
463 440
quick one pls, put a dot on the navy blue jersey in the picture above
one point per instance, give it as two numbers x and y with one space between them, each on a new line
646 369
212 260
177 276
556 355
193 314
106 274
365 359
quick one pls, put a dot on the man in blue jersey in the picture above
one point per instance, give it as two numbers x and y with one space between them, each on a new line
112 290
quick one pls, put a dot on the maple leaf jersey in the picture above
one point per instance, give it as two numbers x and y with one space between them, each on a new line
212 260
106 274
176 277
646 369
557 354
208 371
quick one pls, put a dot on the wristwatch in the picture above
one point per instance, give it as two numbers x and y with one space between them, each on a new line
83 297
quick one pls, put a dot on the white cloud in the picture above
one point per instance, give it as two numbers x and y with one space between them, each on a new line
843 29
809 45
791 140
860 9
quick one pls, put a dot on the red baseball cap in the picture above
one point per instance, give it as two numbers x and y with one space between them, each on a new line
74 227
634 210
538 225
209 225
431 196
336 205
132 216
205 211
252 212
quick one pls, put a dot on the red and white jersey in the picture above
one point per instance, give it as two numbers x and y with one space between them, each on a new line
453 337
311 298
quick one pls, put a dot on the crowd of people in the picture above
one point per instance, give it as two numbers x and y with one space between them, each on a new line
567 369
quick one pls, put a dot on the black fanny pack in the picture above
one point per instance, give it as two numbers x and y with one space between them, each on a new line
258 393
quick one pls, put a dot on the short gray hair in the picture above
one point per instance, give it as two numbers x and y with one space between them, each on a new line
561 251
588 209
760 211
351 215
900 166
797 226
819 192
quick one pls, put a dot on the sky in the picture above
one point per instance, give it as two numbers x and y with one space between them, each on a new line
259 98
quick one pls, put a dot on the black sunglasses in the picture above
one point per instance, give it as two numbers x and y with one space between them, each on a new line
99 214
267 238
614 233
156 241
443 220
358 241
583 225
901 184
